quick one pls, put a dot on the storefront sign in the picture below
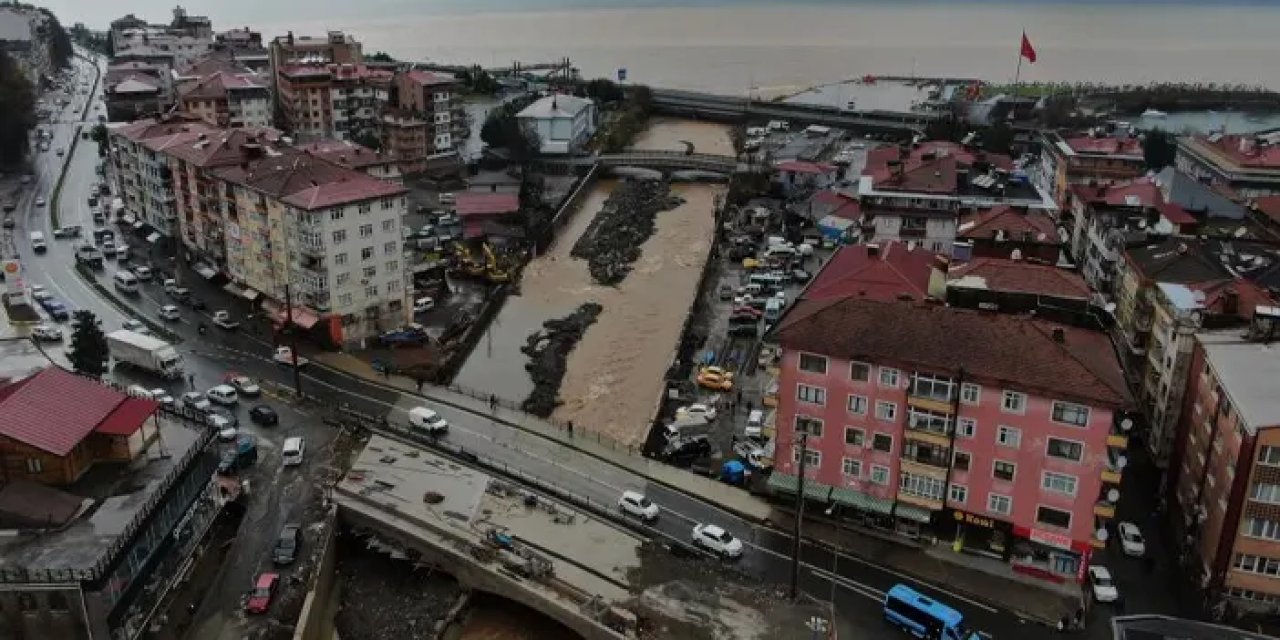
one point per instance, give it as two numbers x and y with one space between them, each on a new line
969 518
1049 539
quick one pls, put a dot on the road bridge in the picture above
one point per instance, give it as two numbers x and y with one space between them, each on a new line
735 109
658 160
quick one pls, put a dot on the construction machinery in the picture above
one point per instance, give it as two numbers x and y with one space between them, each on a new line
496 270
467 262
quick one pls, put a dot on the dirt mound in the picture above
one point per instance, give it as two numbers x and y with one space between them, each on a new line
548 350
612 243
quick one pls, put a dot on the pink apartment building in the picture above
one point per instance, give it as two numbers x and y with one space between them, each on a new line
999 432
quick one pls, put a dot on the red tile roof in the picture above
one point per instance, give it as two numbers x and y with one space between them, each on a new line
1013 222
1106 146
217 85
346 153
1142 193
486 204
430 78
894 270
929 167
1018 276
307 182
1268 206
800 166
140 130
38 412
1014 351
221 147
128 417
1248 296
1244 151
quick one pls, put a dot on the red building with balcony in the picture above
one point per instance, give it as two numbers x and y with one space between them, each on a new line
999 432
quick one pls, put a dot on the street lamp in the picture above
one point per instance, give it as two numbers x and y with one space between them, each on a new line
802 427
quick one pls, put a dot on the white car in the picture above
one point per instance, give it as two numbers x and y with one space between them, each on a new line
636 504
1104 589
1131 541
704 411
46 333
245 385
162 396
39 293
135 326
716 540
223 319
170 312
423 305
39 202
196 401
138 391
223 394
427 421
142 272
226 429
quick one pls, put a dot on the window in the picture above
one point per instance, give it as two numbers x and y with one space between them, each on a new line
1258 564
812 458
340 259
366 230
1260 528
1071 413
852 468
889 377
336 214
58 602
970 393
813 364
886 411
371 291
1263 492
341 278
882 442
366 253
1009 437
854 436
857 405
879 474
997 503
35 465
393 266
966 427
340 236
1065 449
1004 470
958 493
388 226
859 372
1269 455
1059 483
1014 402
27 602
393 286
370 272
923 486
344 299
389 248
934 387
388 203
811 395
814 426
1053 517
366 208
961 459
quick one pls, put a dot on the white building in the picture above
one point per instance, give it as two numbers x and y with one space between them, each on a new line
139 171
562 123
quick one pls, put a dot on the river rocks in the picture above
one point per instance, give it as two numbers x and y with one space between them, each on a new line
548 351
612 243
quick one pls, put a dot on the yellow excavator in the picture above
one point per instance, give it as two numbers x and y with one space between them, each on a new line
467 262
497 273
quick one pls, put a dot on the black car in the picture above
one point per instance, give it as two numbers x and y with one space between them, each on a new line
687 449
264 415
285 550
229 463
743 330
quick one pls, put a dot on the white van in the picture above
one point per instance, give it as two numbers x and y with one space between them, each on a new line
126 281
223 394
37 242
755 423
778 250
773 281
292 451
427 421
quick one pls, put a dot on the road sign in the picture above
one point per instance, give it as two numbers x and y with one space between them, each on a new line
622 74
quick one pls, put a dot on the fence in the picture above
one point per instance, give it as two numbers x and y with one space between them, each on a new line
566 208
112 553
492 305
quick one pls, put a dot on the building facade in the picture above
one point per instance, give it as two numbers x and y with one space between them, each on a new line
1095 160
433 97
999 432
1245 165
1225 472
562 123
140 173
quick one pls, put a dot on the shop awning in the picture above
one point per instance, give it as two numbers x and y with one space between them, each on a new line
207 272
248 293
302 316
153 237
786 483
912 512
847 497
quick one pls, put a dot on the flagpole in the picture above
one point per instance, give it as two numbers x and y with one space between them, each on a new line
1017 75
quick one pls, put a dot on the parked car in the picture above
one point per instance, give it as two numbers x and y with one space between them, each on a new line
264 588
636 504
715 378
264 415
285 550
1103 587
224 424
223 394
717 540
244 385
1131 541
196 401
162 396
698 410
135 326
687 448
423 305
170 313
142 272
224 320
46 333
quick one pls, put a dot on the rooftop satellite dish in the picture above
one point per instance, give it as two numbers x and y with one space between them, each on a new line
1126 424
1101 534
1113 495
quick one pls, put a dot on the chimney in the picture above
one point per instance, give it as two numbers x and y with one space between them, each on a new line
873 251
291 38
1059 336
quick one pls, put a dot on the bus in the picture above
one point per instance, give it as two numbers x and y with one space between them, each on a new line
924 617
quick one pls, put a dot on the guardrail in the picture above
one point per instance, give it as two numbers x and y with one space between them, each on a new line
160 330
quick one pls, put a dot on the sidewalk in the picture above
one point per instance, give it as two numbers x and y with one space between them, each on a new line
981 578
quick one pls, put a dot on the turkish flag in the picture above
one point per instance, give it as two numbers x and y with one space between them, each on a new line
1028 51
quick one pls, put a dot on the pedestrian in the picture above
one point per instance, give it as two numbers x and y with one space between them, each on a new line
739 400
191 380
570 428
493 401
749 406
419 383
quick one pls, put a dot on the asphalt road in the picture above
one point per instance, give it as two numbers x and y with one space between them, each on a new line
855 586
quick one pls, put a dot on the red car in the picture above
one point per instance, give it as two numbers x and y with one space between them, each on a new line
263 589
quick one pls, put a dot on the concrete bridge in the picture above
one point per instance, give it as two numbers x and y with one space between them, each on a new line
658 160
736 109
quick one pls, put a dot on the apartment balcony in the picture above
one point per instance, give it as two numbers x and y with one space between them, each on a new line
926 461
928 427
1113 467
1105 510
920 501
930 402
912 233
309 249
316 300
1118 440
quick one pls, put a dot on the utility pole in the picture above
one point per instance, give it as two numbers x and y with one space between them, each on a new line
802 425
293 339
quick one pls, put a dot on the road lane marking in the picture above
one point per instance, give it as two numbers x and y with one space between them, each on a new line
859 588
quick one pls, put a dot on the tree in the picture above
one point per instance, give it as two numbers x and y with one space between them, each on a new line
17 111
604 90
1159 148
60 49
368 139
99 135
998 139
89 350
381 56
